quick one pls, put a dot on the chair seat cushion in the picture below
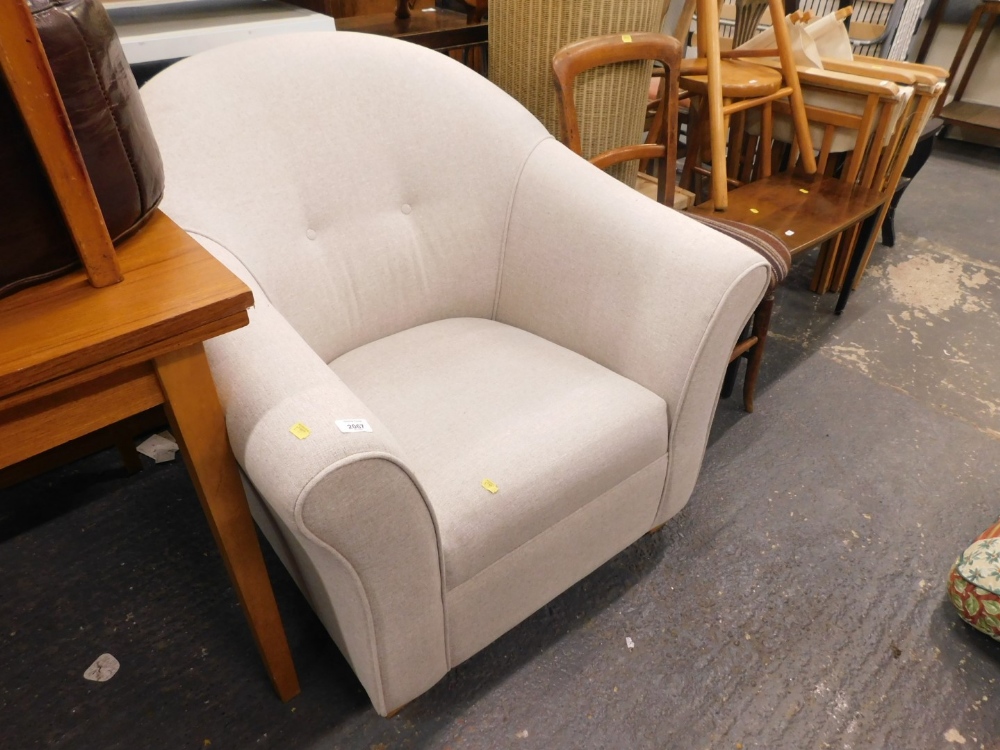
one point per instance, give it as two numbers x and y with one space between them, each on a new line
974 583
470 400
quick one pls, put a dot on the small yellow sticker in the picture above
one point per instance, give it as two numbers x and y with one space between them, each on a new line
627 38
490 486
300 431
754 211
803 190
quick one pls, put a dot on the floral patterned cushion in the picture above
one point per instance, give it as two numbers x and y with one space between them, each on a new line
974 583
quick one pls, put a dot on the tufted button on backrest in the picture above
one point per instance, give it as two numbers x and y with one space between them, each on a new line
364 182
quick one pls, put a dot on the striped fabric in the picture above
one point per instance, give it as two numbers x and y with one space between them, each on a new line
768 245
526 34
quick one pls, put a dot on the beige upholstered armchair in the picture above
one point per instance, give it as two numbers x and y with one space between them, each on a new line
478 366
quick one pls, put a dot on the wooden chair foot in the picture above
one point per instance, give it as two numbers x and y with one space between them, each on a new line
393 712
656 529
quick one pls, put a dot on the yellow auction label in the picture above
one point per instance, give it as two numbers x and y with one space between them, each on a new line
490 486
300 431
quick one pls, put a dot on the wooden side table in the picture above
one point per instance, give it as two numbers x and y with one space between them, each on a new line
980 117
75 358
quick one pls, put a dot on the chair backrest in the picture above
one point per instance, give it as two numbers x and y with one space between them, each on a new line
873 23
526 34
748 16
612 49
363 181
887 99
852 121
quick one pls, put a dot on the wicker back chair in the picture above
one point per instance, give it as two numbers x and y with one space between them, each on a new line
526 34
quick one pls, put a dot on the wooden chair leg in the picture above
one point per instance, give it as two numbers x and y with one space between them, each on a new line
766 136
708 47
729 381
867 233
732 372
977 15
128 453
761 325
737 130
198 424
796 103
393 712
693 146
655 126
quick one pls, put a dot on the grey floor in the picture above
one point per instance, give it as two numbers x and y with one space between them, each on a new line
797 602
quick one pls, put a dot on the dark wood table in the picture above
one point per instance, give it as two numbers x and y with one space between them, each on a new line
75 359
436 28
818 208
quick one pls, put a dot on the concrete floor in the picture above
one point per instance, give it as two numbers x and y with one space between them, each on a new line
797 602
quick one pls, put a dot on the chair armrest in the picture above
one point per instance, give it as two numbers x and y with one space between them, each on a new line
860 83
871 70
349 499
594 266
932 71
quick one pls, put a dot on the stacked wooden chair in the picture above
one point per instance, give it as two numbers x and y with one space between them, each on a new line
866 127
726 85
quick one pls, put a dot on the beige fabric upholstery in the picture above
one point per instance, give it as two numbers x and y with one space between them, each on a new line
471 399
425 257
667 320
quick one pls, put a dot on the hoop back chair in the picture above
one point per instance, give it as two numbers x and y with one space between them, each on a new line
579 57
524 36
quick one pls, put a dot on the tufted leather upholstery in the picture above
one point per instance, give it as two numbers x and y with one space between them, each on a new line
113 133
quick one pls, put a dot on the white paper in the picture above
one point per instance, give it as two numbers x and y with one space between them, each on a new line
160 448
103 669
353 425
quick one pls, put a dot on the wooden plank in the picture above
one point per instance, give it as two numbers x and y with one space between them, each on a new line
440 29
119 433
827 207
862 31
172 287
195 335
971 114
35 427
26 68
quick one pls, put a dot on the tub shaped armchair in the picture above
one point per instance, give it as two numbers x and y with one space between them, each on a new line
478 367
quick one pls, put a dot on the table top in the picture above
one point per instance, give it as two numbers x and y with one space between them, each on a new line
433 27
173 288
813 208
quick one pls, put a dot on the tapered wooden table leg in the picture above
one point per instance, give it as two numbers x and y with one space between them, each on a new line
196 417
